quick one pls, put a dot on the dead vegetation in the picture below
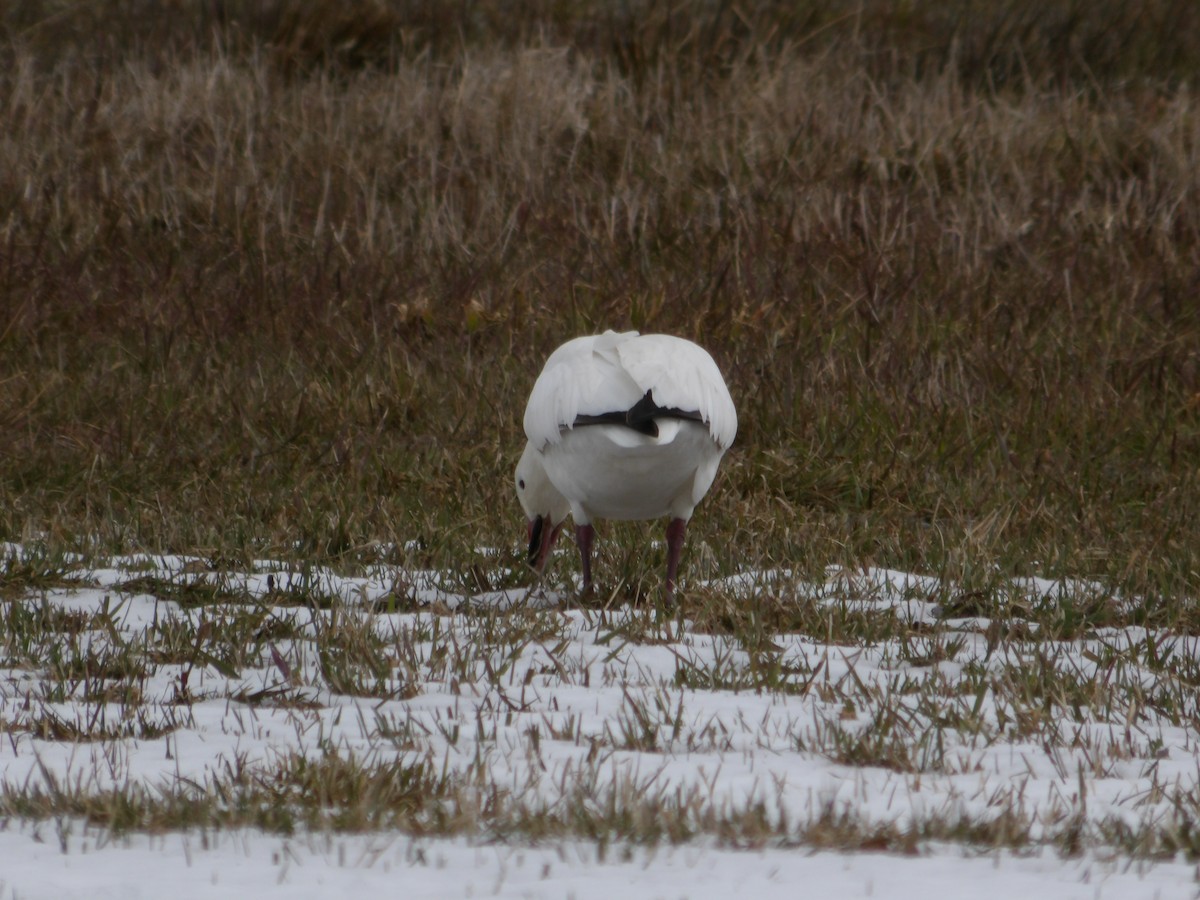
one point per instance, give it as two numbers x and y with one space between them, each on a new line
275 280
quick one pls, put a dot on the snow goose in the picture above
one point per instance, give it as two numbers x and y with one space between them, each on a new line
622 426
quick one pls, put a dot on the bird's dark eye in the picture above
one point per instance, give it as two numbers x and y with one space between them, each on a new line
521 484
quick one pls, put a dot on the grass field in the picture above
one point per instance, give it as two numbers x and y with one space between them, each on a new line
276 279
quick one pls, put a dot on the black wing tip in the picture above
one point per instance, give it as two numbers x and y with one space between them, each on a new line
641 417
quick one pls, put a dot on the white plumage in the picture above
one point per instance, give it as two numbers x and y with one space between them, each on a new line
622 426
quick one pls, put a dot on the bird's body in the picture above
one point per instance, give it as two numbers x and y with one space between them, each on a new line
622 426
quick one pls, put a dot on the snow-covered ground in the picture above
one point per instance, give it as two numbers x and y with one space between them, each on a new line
555 707
242 864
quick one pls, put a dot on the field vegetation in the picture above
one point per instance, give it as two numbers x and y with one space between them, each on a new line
276 279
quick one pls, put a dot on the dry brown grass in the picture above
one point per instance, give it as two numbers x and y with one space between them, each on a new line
275 280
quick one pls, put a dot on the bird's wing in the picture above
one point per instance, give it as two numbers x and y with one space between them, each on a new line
682 376
582 377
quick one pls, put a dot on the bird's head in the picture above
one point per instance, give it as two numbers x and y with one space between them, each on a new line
545 508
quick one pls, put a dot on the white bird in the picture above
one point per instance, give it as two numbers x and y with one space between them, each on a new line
622 426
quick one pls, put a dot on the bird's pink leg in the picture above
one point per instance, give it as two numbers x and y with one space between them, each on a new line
675 532
583 536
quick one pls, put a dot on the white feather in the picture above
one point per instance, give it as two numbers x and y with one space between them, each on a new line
611 372
607 469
